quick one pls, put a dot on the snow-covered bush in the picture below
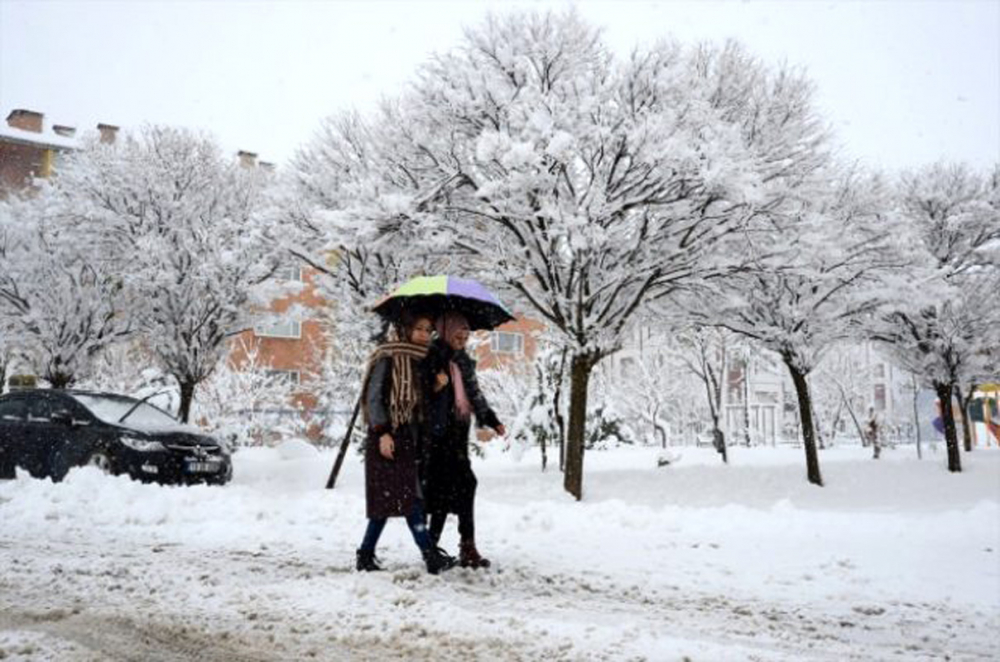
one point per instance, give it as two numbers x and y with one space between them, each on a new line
246 404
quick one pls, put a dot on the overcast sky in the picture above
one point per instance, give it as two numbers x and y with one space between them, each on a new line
903 82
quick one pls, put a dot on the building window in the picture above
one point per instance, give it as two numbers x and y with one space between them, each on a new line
286 329
289 272
503 342
879 370
880 397
289 376
766 397
628 367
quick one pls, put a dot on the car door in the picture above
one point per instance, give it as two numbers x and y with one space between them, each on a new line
13 418
42 434
82 433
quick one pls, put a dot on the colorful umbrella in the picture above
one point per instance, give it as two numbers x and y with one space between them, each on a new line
434 295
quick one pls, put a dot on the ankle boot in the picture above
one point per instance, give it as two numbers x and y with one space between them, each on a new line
366 561
438 560
469 556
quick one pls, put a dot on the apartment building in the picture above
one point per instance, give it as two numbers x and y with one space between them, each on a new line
30 148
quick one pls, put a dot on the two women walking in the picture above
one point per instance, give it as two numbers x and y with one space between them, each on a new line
418 399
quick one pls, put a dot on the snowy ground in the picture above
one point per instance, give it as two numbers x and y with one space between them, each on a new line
896 559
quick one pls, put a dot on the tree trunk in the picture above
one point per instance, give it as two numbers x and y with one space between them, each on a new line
187 397
944 393
963 408
657 428
580 370
746 404
916 417
662 433
876 443
805 416
719 438
545 454
557 409
59 380
819 428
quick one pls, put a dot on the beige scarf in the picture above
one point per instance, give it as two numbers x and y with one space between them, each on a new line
404 395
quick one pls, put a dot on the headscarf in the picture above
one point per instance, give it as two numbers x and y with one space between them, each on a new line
447 326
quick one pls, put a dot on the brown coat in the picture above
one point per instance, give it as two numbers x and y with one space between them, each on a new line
391 486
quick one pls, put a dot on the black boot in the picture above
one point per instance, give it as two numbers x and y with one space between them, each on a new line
367 561
438 560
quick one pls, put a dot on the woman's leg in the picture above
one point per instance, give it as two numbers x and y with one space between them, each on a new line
466 510
366 561
435 559
437 526
469 556
418 528
372 534
467 521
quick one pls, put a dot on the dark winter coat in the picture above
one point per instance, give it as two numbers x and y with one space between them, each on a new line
391 486
449 484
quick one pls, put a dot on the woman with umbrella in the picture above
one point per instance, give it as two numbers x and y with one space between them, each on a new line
393 408
449 482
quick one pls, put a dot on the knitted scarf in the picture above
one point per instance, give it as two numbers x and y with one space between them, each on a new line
405 381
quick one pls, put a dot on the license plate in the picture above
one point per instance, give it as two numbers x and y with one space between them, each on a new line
203 467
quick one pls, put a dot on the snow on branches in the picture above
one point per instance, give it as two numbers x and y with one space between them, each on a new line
59 305
943 324
179 224
582 185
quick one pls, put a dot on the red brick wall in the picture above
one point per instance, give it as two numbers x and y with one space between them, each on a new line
18 164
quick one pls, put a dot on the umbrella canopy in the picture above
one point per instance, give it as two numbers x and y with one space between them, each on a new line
434 295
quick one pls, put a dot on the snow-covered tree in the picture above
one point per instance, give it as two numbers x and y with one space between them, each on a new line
179 222
842 385
821 271
583 185
704 352
653 392
308 203
247 403
944 325
60 303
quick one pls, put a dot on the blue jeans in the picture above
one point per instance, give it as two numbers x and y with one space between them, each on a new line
415 520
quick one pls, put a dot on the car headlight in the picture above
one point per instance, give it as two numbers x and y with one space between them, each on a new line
143 445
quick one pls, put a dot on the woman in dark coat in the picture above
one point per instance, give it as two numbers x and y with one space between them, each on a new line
393 410
453 395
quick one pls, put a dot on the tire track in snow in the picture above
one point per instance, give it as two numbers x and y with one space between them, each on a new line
515 609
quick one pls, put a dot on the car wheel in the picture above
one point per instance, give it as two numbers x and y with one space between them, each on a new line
102 461
58 468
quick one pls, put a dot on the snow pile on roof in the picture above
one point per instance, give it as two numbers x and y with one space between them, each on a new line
45 139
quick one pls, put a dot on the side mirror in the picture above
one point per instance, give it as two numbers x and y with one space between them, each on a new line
62 416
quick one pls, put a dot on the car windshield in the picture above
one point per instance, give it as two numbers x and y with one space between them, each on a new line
110 409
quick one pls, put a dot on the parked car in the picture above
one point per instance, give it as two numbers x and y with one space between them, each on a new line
47 432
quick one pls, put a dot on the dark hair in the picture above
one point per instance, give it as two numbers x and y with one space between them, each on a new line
407 320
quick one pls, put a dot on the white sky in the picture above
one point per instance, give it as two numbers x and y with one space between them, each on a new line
903 82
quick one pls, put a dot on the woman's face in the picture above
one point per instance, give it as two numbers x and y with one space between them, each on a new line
421 332
459 336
